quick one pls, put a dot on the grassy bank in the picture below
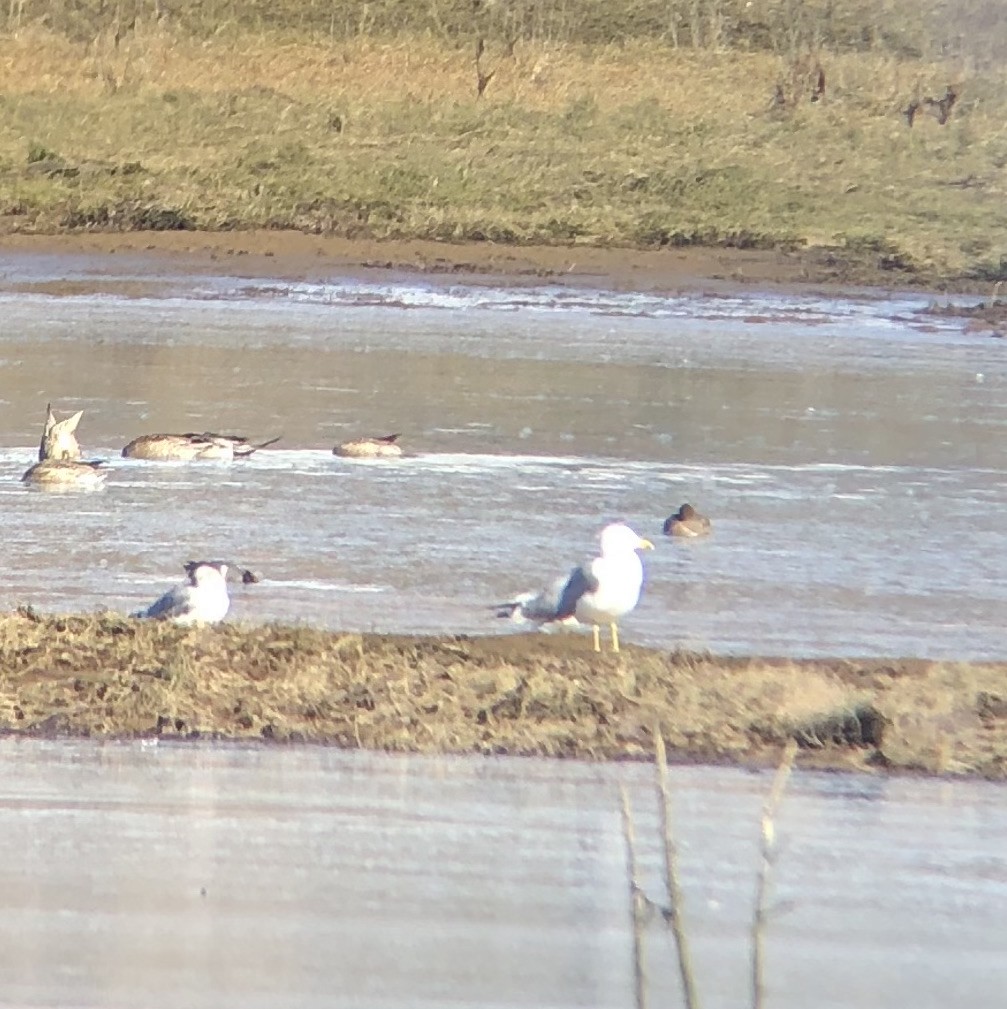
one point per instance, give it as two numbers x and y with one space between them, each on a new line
634 144
107 676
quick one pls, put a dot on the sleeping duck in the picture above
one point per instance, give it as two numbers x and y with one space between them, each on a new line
370 448
191 447
65 474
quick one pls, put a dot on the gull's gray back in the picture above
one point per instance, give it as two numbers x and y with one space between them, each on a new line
559 600
579 582
176 602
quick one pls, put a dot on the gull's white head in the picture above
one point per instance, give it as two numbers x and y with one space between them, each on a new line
618 538
206 572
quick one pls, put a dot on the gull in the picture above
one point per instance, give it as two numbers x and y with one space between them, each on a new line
600 591
203 599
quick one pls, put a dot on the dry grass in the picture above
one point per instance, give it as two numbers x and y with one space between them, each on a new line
634 145
973 27
109 676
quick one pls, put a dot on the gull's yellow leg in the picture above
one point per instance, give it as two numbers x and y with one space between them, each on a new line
615 636
597 638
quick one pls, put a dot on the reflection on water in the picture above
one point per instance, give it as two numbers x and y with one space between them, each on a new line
851 453
158 875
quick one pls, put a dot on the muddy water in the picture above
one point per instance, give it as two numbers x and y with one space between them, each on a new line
852 454
153 875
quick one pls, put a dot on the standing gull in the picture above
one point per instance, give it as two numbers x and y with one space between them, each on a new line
600 591
203 599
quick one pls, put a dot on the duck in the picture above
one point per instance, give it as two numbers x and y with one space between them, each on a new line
687 523
65 474
59 465
370 448
193 447
203 599
599 591
59 437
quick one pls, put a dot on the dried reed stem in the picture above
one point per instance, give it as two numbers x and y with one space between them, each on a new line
673 912
637 901
768 850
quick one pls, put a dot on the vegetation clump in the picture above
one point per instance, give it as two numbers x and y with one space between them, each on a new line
107 676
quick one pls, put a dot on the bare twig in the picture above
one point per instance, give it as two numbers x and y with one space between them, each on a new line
482 80
673 912
483 77
768 851
637 903
941 107
818 95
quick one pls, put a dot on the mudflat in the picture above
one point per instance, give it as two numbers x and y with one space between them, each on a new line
147 257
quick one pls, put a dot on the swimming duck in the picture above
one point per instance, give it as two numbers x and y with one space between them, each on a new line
370 448
687 523
203 599
60 466
600 591
191 447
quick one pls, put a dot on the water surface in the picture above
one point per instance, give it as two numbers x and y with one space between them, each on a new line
190 875
852 454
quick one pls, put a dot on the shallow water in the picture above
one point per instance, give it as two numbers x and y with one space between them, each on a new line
852 454
189 875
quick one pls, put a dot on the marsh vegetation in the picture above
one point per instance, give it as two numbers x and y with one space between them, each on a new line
114 677
771 124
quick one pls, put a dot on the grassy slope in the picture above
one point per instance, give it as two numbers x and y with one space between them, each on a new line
108 676
636 145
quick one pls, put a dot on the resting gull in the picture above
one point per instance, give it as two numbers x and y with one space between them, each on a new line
203 599
600 591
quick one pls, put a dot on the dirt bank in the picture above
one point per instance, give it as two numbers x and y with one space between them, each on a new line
147 257
106 676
